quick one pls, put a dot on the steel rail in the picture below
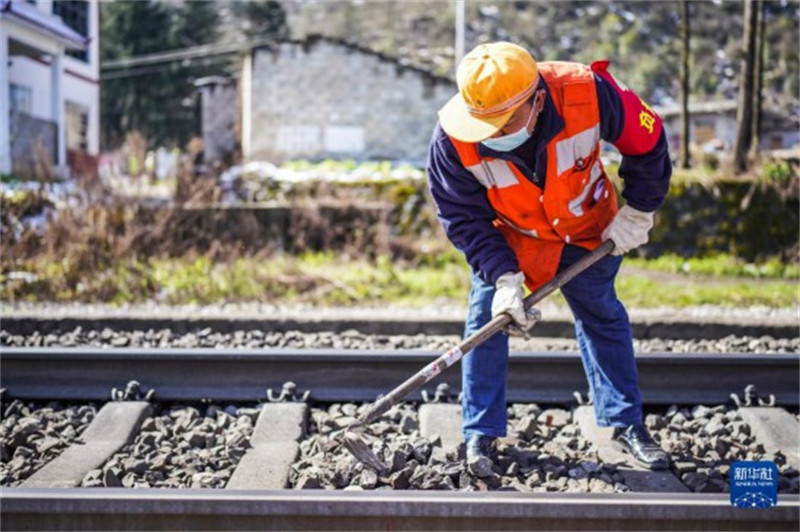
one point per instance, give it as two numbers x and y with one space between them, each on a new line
361 375
158 509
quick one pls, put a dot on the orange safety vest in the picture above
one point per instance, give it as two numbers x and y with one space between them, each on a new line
578 200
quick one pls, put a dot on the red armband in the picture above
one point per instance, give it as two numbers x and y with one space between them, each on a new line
642 127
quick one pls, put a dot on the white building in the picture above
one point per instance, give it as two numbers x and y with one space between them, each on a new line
348 85
49 85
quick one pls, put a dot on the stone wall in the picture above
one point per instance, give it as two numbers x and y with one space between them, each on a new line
33 145
219 107
322 98
752 221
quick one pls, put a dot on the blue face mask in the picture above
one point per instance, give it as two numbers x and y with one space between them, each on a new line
512 140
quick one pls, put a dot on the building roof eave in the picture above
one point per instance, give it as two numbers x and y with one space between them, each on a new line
212 80
30 16
312 39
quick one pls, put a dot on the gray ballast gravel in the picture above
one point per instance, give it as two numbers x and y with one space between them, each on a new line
257 339
705 440
32 434
448 311
181 447
543 451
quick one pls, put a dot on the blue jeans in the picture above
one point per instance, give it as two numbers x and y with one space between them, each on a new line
603 332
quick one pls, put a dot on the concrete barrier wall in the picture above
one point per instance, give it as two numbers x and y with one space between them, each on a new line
33 145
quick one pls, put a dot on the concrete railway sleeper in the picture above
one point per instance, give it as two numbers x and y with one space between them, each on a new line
136 444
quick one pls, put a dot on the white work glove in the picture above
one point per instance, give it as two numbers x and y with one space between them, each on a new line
628 230
508 298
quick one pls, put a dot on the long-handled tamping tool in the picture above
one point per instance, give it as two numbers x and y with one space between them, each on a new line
353 435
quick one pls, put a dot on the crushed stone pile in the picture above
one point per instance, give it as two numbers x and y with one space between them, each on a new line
32 434
181 448
543 451
256 339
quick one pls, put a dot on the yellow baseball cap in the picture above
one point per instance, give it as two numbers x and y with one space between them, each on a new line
493 81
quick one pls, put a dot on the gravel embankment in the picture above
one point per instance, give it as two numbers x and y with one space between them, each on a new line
448 310
255 339
544 451
703 441
33 434
181 448
537 457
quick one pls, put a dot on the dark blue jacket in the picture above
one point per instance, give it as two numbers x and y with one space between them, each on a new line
464 209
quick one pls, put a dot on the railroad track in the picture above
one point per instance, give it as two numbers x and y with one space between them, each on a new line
361 375
284 434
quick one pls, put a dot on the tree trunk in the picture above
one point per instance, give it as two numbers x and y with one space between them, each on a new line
744 111
758 80
685 34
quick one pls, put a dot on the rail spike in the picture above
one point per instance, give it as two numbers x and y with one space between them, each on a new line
751 398
132 392
581 398
441 395
287 394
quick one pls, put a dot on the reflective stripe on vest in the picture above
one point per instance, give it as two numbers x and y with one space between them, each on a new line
494 173
576 147
530 232
575 206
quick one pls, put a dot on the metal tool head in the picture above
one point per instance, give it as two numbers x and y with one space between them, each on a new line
353 439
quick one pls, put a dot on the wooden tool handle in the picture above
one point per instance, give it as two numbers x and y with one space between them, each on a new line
484 333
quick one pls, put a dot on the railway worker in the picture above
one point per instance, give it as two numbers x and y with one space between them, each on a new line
514 170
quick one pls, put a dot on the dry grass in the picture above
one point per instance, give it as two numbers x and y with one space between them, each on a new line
329 248
101 246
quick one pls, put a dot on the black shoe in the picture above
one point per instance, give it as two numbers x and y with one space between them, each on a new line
636 441
479 455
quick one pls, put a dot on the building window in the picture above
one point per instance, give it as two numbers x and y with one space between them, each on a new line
21 98
75 14
77 121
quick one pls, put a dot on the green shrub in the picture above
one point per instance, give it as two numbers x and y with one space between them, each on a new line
719 265
777 172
